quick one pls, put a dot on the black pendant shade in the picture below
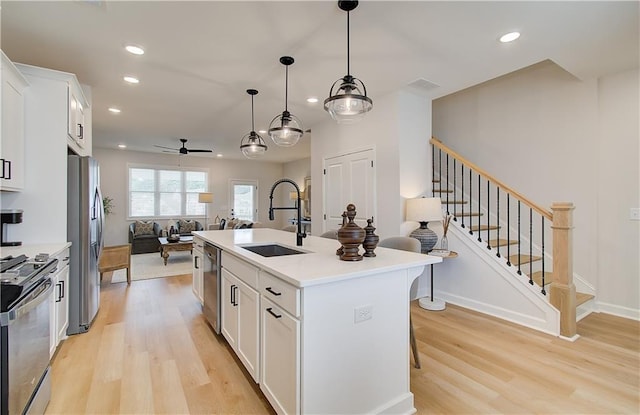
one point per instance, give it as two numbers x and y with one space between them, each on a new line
252 145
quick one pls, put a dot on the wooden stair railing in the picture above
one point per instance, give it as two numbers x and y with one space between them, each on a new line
459 184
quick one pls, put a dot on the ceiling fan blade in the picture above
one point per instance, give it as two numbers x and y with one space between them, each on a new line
199 151
167 151
168 148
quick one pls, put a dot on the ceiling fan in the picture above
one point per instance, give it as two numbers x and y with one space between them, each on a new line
183 149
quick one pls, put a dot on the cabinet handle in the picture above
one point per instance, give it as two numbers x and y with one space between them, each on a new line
81 128
273 292
270 310
65 258
62 289
59 292
233 295
7 176
2 160
195 258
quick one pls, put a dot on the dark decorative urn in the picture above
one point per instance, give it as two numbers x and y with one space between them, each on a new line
370 240
351 236
340 250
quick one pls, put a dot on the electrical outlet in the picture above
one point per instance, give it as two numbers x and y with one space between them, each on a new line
634 213
363 313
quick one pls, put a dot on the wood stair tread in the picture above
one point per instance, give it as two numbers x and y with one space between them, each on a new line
537 278
582 298
466 214
502 242
454 202
524 259
442 191
477 228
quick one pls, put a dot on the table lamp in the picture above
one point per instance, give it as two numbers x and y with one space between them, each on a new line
424 210
205 198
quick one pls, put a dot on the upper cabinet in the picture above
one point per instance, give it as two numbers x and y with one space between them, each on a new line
76 122
12 147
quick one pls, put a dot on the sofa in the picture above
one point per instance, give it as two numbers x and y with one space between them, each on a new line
143 237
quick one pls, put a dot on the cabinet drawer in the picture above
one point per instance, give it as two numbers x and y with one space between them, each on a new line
285 295
246 272
198 243
63 258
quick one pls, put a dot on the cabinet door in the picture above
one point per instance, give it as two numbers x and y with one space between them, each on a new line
62 304
248 328
280 375
230 308
12 143
53 318
197 286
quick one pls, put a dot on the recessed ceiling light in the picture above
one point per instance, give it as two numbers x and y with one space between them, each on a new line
509 37
131 79
122 146
136 50
262 131
312 100
218 155
114 110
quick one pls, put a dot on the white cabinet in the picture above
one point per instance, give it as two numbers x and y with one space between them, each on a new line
280 358
241 312
76 128
59 317
198 258
12 143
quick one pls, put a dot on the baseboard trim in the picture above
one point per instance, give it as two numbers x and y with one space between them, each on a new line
616 310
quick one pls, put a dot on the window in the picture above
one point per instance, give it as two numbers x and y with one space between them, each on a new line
165 192
243 195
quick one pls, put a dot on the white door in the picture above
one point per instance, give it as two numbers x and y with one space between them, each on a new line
243 199
349 178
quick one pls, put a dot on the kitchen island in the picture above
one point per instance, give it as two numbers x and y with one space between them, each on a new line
319 335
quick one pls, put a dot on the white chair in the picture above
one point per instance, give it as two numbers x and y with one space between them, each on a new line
331 234
406 243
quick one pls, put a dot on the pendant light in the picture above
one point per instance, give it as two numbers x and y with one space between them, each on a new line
349 102
252 145
286 129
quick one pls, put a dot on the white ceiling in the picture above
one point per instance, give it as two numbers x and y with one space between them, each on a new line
202 56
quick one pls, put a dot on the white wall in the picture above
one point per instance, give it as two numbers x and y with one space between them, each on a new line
113 176
398 128
556 138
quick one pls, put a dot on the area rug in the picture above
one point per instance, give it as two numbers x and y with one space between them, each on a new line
147 266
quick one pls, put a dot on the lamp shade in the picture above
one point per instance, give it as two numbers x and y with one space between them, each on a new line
205 197
424 209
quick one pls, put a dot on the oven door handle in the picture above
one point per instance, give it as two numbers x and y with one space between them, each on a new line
31 301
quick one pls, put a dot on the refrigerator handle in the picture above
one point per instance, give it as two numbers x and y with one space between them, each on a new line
100 218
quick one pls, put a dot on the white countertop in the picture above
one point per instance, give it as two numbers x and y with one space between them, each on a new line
320 265
32 250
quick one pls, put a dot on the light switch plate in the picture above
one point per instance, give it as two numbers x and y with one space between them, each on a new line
634 213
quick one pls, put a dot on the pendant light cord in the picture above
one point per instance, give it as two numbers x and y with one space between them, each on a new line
286 87
252 127
348 69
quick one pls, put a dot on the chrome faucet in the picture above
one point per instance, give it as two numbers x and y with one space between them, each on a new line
299 234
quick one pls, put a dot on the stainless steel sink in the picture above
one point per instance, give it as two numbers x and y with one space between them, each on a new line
270 250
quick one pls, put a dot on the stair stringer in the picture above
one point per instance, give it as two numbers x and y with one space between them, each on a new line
480 281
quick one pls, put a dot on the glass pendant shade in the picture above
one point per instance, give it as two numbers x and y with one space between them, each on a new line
349 102
252 145
286 129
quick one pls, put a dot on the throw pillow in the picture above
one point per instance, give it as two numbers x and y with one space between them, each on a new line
187 226
143 228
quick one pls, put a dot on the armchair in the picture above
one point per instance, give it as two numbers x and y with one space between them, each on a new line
185 228
146 239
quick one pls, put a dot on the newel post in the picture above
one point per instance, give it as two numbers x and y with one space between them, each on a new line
562 292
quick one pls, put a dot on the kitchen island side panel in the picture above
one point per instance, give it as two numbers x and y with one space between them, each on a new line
350 366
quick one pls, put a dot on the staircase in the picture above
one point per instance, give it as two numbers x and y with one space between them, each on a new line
530 242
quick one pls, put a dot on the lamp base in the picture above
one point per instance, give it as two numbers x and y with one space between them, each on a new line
434 304
426 236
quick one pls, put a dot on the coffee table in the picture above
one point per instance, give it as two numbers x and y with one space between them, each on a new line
184 244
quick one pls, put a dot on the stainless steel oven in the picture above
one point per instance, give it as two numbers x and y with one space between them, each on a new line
211 286
24 338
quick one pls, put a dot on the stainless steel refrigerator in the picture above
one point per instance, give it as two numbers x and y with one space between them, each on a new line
85 217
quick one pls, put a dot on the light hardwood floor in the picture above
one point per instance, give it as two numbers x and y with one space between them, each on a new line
151 351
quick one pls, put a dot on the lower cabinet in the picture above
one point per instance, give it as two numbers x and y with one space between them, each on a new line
59 303
198 257
280 358
240 320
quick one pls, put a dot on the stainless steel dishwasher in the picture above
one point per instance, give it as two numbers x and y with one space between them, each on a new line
211 286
